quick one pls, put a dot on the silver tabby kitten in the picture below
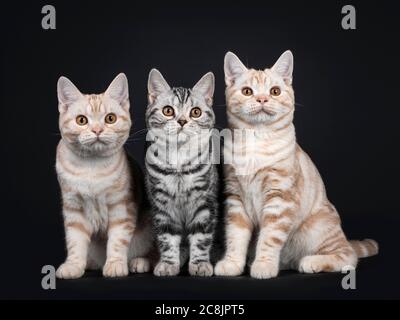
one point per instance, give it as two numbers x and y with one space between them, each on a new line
181 179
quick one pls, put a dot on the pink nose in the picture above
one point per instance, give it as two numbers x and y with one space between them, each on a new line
262 99
97 131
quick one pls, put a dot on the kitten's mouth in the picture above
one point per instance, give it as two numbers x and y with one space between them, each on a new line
183 131
254 112
269 112
97 141
262 110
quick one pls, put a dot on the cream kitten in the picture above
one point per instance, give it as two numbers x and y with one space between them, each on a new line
101 187
273 187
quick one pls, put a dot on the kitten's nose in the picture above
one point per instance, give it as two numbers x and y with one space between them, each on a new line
97 130
262 99
182 122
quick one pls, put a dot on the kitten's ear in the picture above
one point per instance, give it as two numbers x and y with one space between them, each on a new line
233 68
284 66
119 90
156 85
205 86
67 93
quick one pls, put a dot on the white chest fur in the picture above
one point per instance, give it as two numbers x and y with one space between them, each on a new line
89 181
253 157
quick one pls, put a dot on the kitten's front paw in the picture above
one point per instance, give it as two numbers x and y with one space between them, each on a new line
227 267
264 270
70 270
165 269
115 268
203 269
139 265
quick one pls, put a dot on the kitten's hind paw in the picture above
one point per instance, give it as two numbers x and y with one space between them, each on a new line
70 270
325 263
264 270
166 269
139 265
115 268
227 267
203 269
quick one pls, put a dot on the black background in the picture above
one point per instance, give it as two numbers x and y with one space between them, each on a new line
347 91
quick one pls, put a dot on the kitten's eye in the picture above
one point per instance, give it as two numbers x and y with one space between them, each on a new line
81 120
275 91
247 91
110 118
168 111
195 112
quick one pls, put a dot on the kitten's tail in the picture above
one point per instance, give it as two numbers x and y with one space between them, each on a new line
365 248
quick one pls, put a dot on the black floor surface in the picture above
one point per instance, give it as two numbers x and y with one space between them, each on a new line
289 285
376 277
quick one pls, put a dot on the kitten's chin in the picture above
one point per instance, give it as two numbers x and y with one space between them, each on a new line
177 136
182 136
96 149
259 118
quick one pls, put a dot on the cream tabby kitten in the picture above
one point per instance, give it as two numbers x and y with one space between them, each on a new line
100 185
272 186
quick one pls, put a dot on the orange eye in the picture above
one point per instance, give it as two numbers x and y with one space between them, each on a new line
247 91
81 120
275 91
195 112
110 118
168 111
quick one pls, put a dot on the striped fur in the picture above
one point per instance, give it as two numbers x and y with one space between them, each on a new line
100 194
182 186
273 187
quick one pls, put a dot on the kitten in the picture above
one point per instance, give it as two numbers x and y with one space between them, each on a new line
101 187
182 190
273 186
